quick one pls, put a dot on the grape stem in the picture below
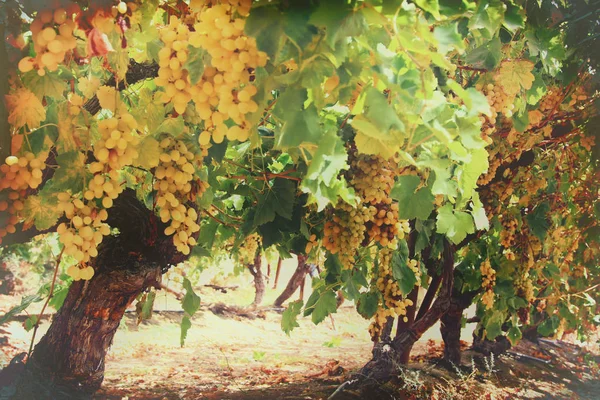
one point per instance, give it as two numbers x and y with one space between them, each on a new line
50 293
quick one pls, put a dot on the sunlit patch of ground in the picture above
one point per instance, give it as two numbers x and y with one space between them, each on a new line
239 358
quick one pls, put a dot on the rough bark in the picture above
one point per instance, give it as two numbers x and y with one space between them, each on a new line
68 362
482 345
295 282
259 281
451 325
387 356
277 273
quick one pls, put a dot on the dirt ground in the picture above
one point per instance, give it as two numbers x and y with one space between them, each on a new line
228 357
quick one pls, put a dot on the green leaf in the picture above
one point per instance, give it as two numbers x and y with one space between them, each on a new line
455 225
367 304
145 306
289 318
186 324
195 63
50 85
321 302
549 326
404 276
300 125
70 173
26 301
488 17
486 56
191 301
469 173
537 220
514 335
322 180
337 19
326 304
412 203
431 6
448 37
278 200
266 25
493 325
30 322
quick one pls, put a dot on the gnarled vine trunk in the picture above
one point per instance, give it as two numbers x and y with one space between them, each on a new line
259 281
388 355
295 282
451 325
68 362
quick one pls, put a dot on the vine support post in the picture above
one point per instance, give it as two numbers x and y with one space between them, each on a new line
277 270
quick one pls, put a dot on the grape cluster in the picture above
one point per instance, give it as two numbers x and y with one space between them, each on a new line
175 186
225 91
371 176
171 58
248 249
116 148
17 175
508 233
394 305
488 281
345 231
52 34
82 234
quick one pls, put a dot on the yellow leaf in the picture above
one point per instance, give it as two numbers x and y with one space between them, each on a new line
107 96
369 145
149 153
514 76
24 108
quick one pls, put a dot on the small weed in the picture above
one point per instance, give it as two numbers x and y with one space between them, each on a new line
258 355
334 342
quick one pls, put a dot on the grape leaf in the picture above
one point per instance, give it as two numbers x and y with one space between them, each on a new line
185 326
469 173
50 85
493 325
290 316
537 220
412 203
195 63
338 20
322 181
448 37
149 152
549 326
455 225
326 304
367 304
514 335
191 301
431 6
404 276
279 199
266 25
174 126
41 211
70 173
515 76
488 17
26 301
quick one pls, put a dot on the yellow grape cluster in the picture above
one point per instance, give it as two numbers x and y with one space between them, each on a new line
171 58
248 249
500 103
17 175
174 185
344 232
551 100
508 233
313 243
234 57
385 228
524 285
393 303
116 148
82 234
371 176
52 35
488 281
